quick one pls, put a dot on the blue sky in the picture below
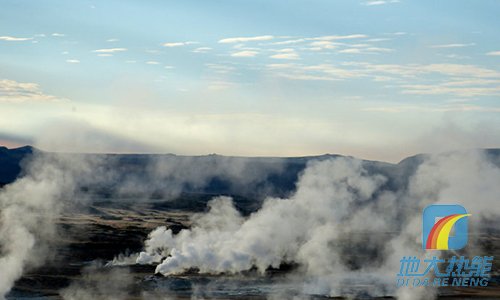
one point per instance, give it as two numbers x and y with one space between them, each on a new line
377 79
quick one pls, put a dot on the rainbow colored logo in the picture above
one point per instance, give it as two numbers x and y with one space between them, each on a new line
444 227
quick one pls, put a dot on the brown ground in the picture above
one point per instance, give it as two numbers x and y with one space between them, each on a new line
105 231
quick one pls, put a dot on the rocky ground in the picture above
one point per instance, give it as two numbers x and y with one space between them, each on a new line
104 230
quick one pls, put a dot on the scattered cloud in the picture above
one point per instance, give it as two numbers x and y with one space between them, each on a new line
397 33
339 37
246 39
169 67
459 80
321 45
292 55
453 45
432 108
493 53
112 40
220 85
376 40
202 50
414 70
292 41
347 48
14 39
177 44
323 72
286 54
152 62
18 92
379 2
220 68
110 50
442 89
56 34
351 51
73 61
456 56
458 70
378 49
322 41
245 53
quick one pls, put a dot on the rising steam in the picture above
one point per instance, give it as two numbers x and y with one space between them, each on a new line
344 226
30 208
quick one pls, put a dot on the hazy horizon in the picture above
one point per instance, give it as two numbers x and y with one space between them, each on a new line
378 80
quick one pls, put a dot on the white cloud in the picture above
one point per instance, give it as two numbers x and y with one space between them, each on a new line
459 80
324 38
350 51
246 39
220 85
73 61
359 45
323 72
177 44
453 45
379 2
286 54
413 70
442 89
202 50
459 70
219 68
14 39
289 42
246 53
493 53
17 92
152 62
397 33
56 34
335 71
432 108
323 45
339 37
456 56
110 50
378 49
169 67
375 40
112 40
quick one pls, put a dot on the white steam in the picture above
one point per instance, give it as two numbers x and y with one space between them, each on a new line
98 283
346 226
29 209
30 206
343 226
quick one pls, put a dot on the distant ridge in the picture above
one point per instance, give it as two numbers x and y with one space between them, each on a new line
274 181
10 162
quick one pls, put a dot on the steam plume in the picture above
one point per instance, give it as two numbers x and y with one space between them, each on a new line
344 226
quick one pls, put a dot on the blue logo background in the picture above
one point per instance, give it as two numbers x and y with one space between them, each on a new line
431 212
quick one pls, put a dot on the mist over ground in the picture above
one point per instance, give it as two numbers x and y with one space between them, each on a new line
329 225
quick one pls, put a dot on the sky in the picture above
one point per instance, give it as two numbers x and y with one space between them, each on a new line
375 79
